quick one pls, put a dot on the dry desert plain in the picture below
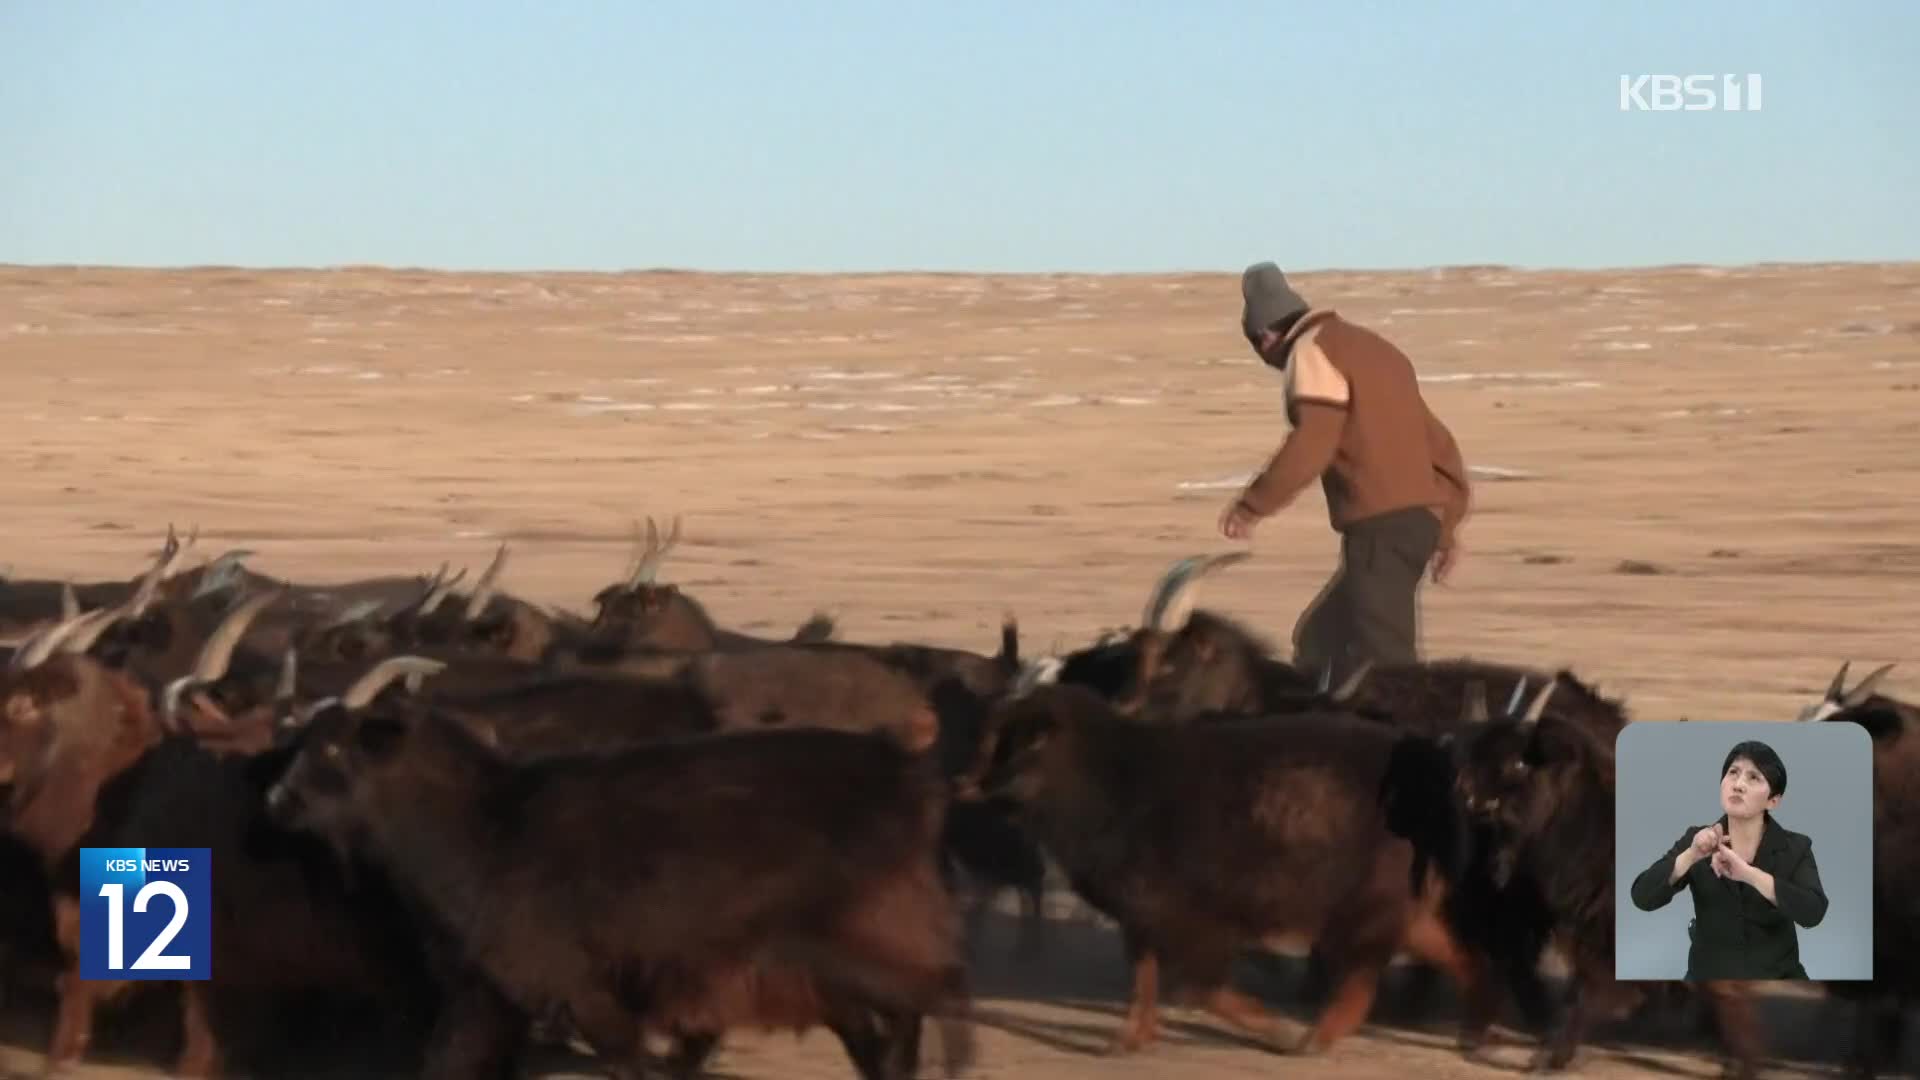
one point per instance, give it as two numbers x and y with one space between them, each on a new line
1696 486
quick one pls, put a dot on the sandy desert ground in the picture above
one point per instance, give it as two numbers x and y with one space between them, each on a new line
1695 486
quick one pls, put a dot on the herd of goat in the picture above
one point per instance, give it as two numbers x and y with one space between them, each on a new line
464 824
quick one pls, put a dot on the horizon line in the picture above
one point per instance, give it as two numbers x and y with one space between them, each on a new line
1482 267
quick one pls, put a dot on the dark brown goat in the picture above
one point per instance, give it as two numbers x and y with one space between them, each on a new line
1863 701
924 695
90 765
982 836
777 878
638 614
595 712
1880 1003
496 623
98 721
1200 840
1184 664
775 686
26 606
1542 785
31 605
132 600
359 633
487 622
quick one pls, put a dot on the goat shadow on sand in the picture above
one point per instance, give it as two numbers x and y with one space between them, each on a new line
139 1034
1075 965
1064 989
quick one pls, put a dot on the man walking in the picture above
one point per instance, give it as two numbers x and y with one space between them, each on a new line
1395 484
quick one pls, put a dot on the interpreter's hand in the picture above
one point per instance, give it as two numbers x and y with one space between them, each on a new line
1443 561
1708 840
1727 863
1236 521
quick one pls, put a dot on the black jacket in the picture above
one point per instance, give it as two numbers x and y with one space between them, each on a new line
1736 933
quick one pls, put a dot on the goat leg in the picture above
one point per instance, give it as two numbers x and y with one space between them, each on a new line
1355 986
1142 1026
882 1044
690 1053
199 1052
479 1034
73 1023
1733 1014
1595 993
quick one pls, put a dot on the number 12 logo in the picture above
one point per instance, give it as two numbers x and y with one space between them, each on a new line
155 903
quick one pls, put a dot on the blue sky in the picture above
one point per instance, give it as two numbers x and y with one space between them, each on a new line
847 135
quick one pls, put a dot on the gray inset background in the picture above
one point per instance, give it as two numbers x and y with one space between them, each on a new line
1668 783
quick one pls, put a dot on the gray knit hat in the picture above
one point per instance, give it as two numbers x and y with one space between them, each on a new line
1269 299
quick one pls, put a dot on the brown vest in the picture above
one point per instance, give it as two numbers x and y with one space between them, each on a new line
1392 452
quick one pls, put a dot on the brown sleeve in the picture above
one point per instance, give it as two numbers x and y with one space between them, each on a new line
1300 460
1453 473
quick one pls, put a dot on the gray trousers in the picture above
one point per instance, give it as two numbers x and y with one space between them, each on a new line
1370 608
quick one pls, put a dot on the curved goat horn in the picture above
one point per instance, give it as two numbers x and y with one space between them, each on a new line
1539 706
352 614
644 548
1473 707
1353 682
433 584
217 652
172 566
149 586
1172 597
1519 694
289 675
442 588
35 650
170 701
221 572
1838 687
1863 689
381 675
483 589
87 629
656 550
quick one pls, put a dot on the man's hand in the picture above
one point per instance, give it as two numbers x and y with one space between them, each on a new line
1237 521
1443 561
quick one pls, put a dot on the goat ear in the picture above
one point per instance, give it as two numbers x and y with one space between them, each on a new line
1153 647
494 630
480 729
1035 673
204 713
1036 738
1473 704
24 709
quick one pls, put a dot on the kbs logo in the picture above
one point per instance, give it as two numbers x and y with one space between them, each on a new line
146 913
1690 93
